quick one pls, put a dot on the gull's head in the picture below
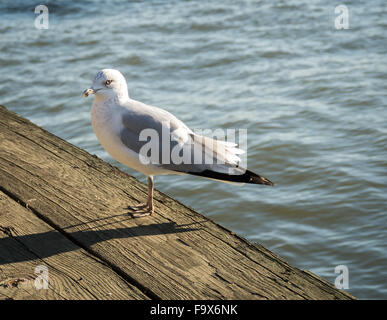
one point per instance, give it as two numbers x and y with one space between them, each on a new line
108 83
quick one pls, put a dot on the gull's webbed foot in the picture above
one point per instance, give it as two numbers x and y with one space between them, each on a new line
138 207
146 211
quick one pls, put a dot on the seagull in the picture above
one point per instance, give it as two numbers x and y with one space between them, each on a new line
123 127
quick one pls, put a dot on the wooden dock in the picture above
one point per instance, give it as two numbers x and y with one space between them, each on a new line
65 210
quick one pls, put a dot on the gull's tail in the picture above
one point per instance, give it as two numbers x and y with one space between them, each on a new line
247 177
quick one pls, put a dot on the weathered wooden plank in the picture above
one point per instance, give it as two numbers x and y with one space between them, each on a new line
174 254
27 242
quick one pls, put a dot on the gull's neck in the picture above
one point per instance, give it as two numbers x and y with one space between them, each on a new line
118 98
123 96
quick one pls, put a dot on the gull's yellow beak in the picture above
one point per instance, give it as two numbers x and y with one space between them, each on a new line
88 92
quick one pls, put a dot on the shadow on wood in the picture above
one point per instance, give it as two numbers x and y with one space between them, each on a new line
48 243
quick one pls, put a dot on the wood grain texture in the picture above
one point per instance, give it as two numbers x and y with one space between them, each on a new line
176 253
26 242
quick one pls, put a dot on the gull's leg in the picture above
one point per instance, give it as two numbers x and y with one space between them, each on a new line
143 205
150 194
146 209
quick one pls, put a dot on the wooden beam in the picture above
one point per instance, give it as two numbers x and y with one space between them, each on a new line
28 245
176 253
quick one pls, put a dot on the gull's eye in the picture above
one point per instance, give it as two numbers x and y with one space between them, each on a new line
107 82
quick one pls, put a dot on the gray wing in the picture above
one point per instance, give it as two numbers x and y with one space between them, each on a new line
170 144
137 116
147 126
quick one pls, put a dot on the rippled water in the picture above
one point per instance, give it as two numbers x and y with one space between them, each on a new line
312 98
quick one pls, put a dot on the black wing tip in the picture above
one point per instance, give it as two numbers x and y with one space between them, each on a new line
265 182
247 177
256 179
